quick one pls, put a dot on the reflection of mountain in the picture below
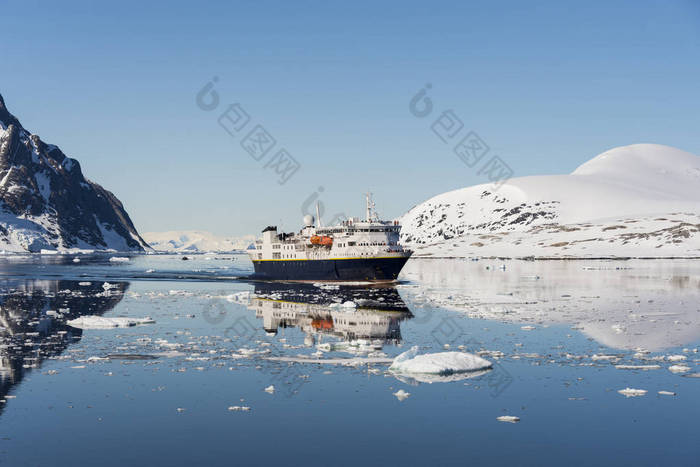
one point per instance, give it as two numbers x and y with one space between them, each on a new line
32 321
314 310
621 304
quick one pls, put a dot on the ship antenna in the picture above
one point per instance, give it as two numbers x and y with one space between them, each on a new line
368 199
318 216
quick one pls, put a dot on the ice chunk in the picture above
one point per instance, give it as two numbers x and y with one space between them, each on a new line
270 389
238 408
666 393
508 418
239 297
597 357
402 395
679 368
442 363
638 367
348 304
118 259
629 392
100 322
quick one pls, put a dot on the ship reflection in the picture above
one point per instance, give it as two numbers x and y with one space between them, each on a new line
322 311
32 321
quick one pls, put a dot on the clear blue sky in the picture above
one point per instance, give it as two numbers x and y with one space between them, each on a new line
547 85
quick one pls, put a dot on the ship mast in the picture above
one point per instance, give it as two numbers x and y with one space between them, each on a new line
370 206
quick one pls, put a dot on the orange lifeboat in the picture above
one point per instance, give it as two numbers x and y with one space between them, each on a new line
321 240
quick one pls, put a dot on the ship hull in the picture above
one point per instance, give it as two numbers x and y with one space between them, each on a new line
351 269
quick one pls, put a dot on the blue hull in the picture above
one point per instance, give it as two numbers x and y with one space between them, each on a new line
356 269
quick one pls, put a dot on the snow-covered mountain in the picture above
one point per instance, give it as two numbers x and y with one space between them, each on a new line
47 203
641 200
194 241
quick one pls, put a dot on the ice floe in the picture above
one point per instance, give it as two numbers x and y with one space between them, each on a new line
118 259
679 368
402 395
442 363
508 418
100 322
629 392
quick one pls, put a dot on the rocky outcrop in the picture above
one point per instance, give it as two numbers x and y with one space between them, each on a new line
47 203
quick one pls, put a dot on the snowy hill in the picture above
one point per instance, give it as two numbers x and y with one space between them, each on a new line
641 200
47 204
194 241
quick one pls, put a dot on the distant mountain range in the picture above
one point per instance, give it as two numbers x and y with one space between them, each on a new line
47 204
641 200
194 241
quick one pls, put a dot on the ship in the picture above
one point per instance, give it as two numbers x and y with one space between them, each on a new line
353 250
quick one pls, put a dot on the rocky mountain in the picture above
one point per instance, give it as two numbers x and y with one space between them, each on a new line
641 200
194 241
47 203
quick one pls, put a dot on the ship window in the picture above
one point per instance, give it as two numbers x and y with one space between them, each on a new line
351 243
259 255
276 256
276 246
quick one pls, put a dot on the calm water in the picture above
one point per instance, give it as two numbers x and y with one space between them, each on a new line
563 337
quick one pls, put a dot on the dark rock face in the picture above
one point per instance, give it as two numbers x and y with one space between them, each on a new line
47 203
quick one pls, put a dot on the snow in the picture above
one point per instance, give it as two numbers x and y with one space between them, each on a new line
442 363
629 392
100 322
193 241
641 200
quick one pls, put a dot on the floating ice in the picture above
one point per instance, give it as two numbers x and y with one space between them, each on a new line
99 322
629 392
270 389
638 367
679 368
666 393
597 357
443 363
402 395
118 259
239 297
347 304
508 418
238 408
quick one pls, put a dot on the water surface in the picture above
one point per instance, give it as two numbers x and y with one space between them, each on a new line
560 334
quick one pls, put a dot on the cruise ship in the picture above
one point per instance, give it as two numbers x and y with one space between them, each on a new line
353 250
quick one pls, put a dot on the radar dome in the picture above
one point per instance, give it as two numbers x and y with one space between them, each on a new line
308 220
